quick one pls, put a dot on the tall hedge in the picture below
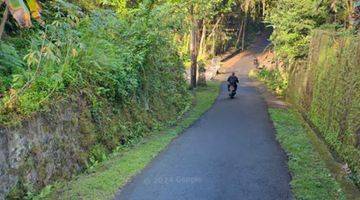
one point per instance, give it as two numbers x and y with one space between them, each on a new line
327 89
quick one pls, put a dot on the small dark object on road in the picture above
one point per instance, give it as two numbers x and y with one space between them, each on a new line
232 84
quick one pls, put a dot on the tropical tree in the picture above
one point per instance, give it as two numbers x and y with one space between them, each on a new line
340 11
201 11
198 11
22 12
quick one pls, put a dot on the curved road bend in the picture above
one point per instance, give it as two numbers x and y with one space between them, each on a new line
229 153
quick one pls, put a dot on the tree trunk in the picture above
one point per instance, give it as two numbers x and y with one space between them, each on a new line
213 47
3 21
239 34
193 48
263 7
202 40
350 9
213 34
216 25
243 36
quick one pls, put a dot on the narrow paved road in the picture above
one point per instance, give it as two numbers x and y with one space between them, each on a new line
229 153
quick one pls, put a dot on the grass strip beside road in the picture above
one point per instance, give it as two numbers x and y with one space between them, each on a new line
311 179
106 179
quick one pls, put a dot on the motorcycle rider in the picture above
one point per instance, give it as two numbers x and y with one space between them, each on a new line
232 81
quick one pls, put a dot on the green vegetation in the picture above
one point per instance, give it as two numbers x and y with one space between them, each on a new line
310 177
123 75
325 89
21 12
103 180
120 64
124 80
113 53
113 64
294 21
272 79
316 44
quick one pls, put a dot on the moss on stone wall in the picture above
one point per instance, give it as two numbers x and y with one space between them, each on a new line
327 89
70 138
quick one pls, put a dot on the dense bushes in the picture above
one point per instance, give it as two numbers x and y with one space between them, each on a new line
273 79
108 61
122 76
100 55
10 62
326 89
293 22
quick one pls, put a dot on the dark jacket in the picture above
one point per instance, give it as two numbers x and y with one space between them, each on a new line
233 80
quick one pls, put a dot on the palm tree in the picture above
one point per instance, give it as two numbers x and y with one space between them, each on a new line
21 12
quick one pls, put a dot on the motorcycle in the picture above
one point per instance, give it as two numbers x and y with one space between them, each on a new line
232 91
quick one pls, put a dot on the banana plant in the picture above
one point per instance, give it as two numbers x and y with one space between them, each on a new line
22 12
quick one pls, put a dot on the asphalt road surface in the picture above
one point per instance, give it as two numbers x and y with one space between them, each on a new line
229 153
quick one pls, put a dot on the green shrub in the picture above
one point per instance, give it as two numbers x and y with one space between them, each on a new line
10 62
273 79
107 58
98 153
